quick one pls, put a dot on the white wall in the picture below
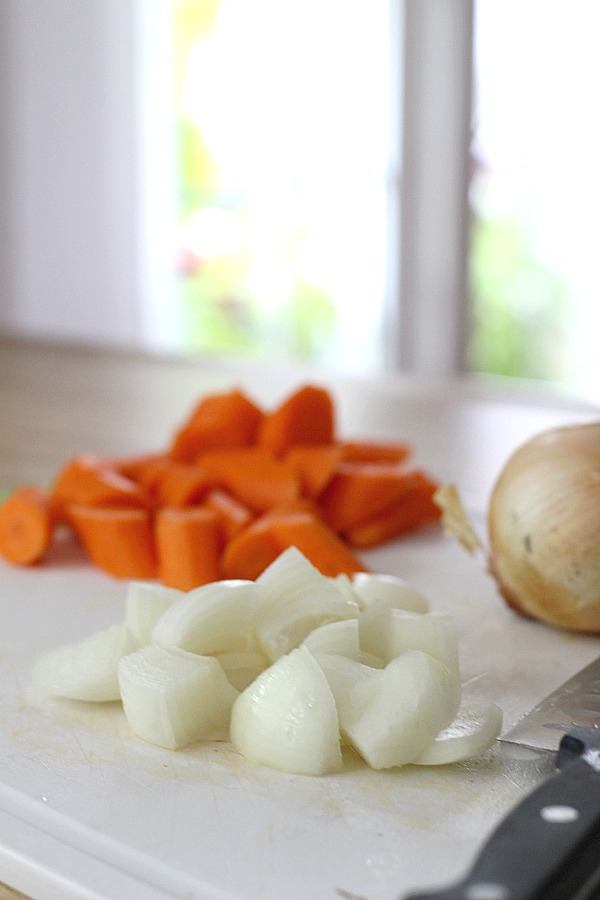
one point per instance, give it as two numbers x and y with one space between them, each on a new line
72 248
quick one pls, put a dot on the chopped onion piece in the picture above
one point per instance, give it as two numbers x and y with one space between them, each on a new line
432 632
393 715
285 623
145 602
388 632
292 574
172 698
295 598
372 586
242 667
340 638
472 732
287 718
86 669
373 625
215 618
346 586
343 674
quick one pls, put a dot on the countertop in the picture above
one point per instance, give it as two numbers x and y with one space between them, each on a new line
86 811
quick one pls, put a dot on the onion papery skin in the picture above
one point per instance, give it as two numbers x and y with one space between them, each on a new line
544 528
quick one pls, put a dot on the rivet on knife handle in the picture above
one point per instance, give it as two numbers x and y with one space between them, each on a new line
547 848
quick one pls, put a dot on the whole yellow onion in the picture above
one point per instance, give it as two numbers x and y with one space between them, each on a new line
544 528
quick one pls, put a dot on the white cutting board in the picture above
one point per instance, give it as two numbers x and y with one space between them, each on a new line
87 810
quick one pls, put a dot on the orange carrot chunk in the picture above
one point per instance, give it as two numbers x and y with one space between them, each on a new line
414 510
374 451
234 516
253 476
306 417
359 491
218 422
317 542
250 552
298 504
315 464
254 547
135 467
189 544
26 525
178 484
88 480
118 540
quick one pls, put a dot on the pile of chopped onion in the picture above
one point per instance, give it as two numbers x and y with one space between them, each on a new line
291 668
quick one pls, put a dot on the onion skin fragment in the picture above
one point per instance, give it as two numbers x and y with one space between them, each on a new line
544 528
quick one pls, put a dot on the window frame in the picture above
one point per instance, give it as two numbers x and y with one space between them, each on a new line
430 328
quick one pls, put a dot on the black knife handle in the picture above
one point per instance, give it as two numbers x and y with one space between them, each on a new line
547 848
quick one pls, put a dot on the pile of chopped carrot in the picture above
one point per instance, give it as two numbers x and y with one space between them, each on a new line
235 486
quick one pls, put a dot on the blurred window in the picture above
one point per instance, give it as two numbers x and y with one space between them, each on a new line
325 191
283 149
535 192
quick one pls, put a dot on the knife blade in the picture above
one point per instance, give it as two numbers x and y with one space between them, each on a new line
575 703
548 846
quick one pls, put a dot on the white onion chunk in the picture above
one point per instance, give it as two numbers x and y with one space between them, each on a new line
87 669
472 732
215 618
287 718
390 717
173 698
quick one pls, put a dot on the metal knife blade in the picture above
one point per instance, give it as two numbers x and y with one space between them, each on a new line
575 703
548 846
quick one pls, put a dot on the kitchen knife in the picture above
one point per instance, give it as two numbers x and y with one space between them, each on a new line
548 846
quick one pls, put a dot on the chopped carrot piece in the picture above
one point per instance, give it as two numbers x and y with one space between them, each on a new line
359 491
374 451
306 417
218 422
298 504
325 550
26 525
253 548
88 481
251 551
315 464
189 544
414 510
149 473
137 467
177 484
253 476
234 516
118 540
